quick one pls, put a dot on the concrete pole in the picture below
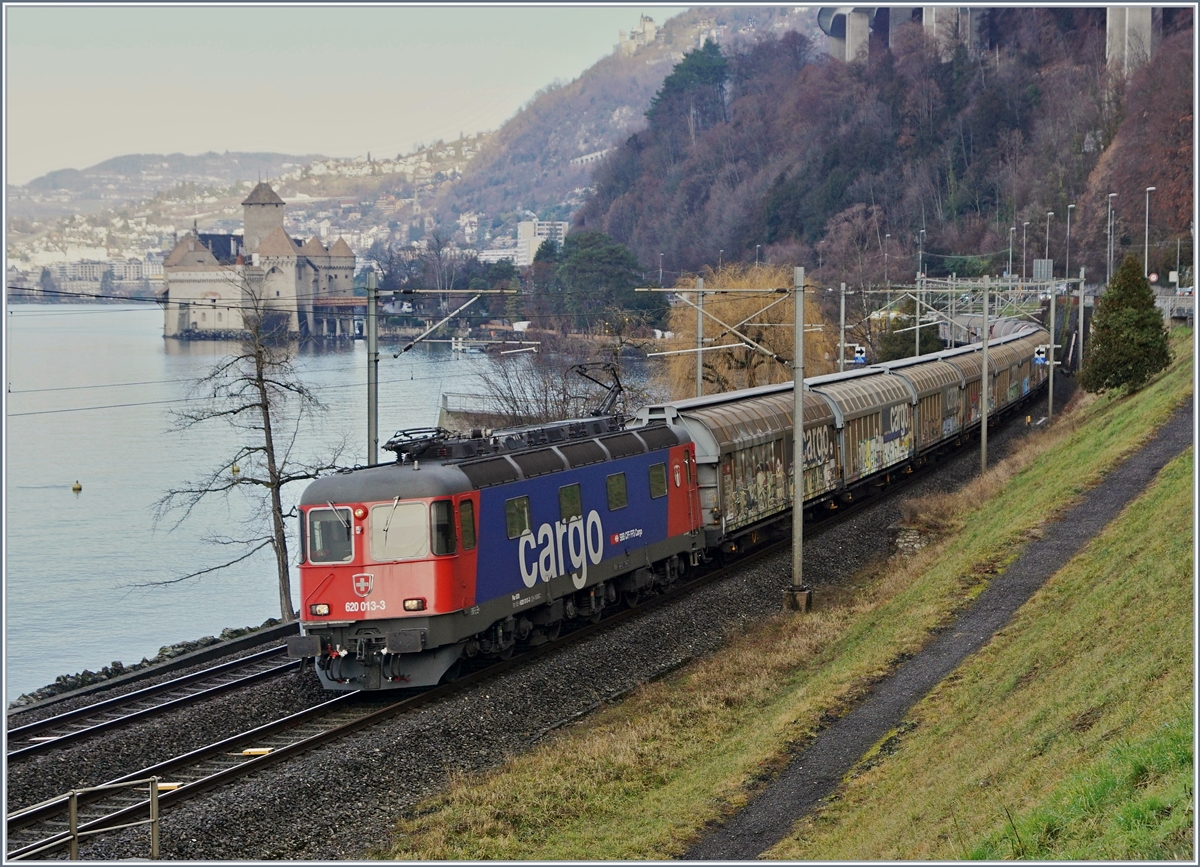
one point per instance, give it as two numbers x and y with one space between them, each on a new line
842 333
1050 360
798 597
984 382
1080 317
372 372
1146 248
699 336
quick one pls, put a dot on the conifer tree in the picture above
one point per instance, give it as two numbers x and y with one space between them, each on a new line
1128 344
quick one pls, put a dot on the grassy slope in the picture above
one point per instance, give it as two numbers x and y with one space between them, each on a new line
640 779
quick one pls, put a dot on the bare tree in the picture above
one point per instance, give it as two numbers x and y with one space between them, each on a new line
256 392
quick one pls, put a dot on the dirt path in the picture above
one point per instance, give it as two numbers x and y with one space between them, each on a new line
815 773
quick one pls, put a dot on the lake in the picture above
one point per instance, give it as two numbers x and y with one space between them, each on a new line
90 394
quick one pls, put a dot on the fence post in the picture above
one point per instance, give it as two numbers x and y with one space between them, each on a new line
73 823
154 818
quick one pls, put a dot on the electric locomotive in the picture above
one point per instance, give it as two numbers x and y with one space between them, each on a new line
468 545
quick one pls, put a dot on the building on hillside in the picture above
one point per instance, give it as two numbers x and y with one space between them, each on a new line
306 286
531 234
639 37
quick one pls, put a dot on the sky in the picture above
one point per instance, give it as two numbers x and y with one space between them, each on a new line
87 83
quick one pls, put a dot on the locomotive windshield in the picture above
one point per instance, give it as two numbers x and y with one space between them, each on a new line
329 536
399 531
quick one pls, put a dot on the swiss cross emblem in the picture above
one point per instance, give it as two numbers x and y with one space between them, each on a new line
364 583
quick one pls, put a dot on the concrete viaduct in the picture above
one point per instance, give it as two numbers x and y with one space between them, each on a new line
1133 32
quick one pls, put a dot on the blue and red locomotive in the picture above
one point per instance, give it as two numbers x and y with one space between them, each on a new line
469 545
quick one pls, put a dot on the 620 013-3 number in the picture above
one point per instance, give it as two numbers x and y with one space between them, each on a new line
365 605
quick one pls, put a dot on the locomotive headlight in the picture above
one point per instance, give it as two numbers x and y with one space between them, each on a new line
360 513
414 604
321 609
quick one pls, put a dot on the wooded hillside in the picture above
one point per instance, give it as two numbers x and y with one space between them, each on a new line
775 145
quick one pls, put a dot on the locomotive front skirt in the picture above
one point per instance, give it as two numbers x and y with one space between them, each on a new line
466 546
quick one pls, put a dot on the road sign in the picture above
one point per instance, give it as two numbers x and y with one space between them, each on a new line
1039 355
860 354
1153 277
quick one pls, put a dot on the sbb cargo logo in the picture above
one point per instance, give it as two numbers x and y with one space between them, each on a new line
561 548
617 538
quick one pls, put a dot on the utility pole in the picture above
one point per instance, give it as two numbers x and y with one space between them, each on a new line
1050 360
798 597
842 333
699 336
660 270
984 382
1067 267
1081 317
372 371
1146 249
1024 258
1108 277
1049 214
1010 242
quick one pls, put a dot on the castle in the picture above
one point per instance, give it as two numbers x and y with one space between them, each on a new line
306 288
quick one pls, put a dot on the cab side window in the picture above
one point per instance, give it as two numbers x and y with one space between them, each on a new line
444 541
466 519
617 495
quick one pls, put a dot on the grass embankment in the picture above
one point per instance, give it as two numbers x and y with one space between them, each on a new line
640 779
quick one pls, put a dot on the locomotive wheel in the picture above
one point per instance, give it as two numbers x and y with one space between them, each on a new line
553 630
454 672
506 653
631 598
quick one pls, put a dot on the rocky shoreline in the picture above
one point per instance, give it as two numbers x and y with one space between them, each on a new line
87 677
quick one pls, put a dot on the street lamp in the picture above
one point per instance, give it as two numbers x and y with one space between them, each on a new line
720 258
1108 278
1010 240
1067 267
660 270
1146 249
1024 236
921 254
757 247
1049 214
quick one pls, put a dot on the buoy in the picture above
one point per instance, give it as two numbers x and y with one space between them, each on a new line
77 487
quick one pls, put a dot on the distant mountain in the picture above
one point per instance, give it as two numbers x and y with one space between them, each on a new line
541 159
135 177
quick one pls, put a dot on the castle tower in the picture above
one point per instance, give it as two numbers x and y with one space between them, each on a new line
263 211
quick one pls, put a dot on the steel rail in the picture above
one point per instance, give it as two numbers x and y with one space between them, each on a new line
73 718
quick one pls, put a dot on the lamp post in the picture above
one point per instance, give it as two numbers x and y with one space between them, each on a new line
660 270
720 259
1146 249
757 247
887 238
921 254
1108 256
1024 237
1011 231
1049 214
1067 267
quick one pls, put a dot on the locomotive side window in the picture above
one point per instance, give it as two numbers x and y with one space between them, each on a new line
658 480
516 515
570 503
466 517
617 498
399 531
444 541
329 536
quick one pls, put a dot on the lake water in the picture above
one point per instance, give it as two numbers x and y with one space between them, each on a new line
90 392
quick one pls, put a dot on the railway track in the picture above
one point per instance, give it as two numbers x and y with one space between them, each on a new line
43 828
73 726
